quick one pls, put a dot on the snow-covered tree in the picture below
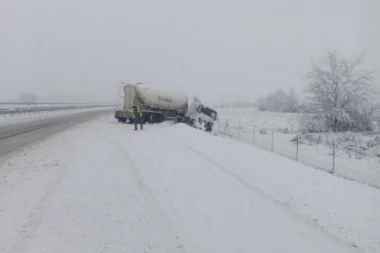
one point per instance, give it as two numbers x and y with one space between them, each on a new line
340 91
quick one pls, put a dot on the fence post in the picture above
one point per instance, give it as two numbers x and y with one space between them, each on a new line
254 133
272 138
239 129
333 165
297 147
226 127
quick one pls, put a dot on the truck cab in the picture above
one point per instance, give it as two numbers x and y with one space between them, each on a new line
201 116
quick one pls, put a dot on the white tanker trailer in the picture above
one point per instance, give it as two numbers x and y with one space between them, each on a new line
159 105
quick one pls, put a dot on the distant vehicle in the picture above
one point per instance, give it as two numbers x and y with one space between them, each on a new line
159 105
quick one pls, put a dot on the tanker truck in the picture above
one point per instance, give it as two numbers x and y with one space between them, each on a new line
159 105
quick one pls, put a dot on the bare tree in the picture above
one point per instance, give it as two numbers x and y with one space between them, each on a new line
26 97
340 91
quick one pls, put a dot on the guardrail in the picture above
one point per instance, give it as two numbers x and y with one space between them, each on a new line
41 109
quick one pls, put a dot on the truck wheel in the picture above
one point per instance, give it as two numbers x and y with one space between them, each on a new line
121 120
208 128
161 118
158 118
153 118
145 119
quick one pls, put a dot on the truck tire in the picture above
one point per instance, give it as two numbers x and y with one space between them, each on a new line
158 118
208 127
122 120
161 118
144 119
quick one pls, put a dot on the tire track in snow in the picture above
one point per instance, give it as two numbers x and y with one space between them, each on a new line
52 126
282 205
29 228
170 242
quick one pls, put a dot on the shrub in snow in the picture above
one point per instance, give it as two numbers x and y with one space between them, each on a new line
377 141
263 131
357 152
350 137
310 139
284 130
351 144
312 123
376 151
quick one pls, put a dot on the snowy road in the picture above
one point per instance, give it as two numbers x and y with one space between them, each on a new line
102 187
13 137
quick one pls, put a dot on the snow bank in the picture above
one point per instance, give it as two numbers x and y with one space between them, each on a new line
341 207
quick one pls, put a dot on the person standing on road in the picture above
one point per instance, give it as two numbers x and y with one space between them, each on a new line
137 116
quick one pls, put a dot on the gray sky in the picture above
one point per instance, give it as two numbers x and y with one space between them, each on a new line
218 49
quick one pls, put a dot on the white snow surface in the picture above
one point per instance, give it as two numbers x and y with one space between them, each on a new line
102 187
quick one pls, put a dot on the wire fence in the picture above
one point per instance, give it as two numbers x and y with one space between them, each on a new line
330 158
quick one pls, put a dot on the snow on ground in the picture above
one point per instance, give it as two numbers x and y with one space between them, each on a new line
102 187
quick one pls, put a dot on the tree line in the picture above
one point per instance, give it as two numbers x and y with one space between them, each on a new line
279 101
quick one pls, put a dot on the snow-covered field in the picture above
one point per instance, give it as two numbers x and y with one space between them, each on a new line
102 187
249 117
357 155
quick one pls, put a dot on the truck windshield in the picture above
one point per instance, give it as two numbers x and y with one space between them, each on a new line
209 112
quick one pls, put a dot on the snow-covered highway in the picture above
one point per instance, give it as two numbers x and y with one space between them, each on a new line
15 136
102 187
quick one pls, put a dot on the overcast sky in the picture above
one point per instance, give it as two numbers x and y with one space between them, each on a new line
218 49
